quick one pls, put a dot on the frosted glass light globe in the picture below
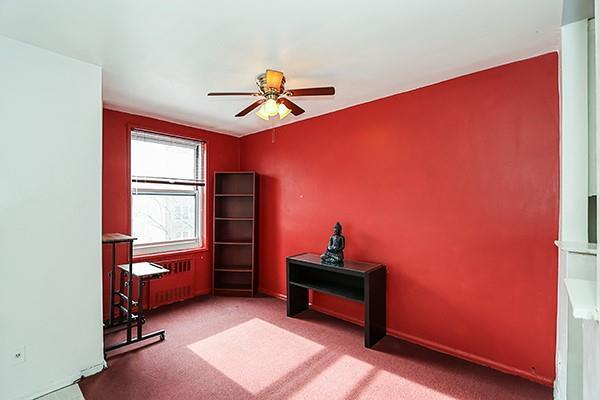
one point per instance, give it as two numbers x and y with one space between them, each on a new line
262 113
271 107
283 111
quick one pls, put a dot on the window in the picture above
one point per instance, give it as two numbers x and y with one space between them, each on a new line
167 191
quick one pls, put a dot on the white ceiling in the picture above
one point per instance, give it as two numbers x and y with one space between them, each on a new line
161 57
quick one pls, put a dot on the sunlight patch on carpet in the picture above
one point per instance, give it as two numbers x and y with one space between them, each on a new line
337 381
385 385
255 354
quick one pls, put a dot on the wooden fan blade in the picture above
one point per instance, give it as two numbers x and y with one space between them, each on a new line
274 79
317 91
233 94
296 110
250 108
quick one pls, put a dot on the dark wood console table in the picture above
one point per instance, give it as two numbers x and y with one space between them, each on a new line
358 281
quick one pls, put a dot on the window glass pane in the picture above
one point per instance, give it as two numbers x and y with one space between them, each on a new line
149 158
160 218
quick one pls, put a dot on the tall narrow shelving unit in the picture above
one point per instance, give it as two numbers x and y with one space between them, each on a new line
235 271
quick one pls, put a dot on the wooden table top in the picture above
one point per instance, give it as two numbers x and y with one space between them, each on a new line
356 266
116 238
144 269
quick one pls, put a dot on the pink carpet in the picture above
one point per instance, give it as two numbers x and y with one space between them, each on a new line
237 348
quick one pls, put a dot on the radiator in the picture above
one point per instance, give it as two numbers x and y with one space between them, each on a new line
174 286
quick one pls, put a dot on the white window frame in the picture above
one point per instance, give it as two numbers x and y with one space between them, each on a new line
200 192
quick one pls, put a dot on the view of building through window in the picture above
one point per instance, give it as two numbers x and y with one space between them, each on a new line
166 186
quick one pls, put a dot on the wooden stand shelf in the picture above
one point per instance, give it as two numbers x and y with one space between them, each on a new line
235 271
233 268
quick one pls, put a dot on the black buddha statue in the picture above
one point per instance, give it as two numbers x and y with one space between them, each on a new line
335 248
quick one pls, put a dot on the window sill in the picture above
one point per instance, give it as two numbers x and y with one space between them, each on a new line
577 247
142 251
152 256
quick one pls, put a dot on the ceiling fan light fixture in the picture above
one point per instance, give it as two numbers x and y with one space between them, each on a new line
283 111
262 113
273 97
271 108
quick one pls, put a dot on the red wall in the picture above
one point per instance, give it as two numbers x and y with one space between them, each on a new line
454 187
222 155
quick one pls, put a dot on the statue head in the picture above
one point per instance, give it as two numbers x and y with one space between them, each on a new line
337 229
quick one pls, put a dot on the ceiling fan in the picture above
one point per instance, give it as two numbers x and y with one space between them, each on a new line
274 97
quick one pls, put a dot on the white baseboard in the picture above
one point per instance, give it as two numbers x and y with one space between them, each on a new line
94 369
62 383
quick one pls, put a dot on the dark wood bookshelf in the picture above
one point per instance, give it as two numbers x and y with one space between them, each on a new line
235 271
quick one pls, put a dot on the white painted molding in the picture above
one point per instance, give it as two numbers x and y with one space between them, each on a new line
582 295
577 247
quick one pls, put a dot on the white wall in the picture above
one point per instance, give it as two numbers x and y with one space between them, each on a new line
50 219
574 132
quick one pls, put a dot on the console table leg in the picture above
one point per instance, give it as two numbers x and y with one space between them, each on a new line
297 296
297 300
375 307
